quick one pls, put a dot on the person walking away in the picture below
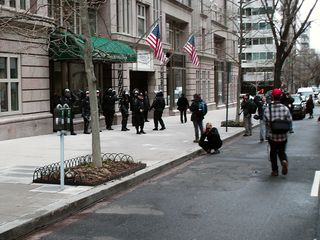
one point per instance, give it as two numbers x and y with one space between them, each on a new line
288 100
277 141
183 105
261 103
210 139
108 107
310 106
137 112
246 115
85 113
158 105
146 104
124 105
69 99
197 116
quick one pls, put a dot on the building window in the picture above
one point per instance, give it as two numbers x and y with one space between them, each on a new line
124 16
141 14
23 4
33 6
156 9
12 3
92 20
9 85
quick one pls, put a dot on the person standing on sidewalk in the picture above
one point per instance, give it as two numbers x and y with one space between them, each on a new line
124 104
69 99
197 116
261 103
85 113
210 139
288 100
277 141
108 107
183 105
310 106
146 104
137 112
246 115
158 105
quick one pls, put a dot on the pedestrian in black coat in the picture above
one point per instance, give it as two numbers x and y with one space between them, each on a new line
69 99
210 139
124 104
183 105
196 116
108 107
85 113
158 105
310 106
146 104
137 112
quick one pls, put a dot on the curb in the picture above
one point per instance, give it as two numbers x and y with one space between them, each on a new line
29 223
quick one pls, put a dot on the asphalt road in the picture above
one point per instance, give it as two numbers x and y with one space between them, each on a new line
225 196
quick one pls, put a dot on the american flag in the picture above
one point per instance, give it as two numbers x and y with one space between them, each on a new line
155 43
190 48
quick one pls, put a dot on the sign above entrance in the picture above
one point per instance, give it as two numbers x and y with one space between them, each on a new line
144 61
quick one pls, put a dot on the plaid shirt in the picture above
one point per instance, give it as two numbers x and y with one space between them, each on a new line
278 111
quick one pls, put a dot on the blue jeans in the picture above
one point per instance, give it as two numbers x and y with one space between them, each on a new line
263 132
198 125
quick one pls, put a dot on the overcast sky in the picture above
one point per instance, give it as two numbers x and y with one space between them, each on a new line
315 26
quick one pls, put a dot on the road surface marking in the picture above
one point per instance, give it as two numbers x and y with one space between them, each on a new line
315 185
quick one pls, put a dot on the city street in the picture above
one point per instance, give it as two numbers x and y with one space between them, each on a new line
225 196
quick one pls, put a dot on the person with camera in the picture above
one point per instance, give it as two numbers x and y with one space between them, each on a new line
210 139
247 120
277 116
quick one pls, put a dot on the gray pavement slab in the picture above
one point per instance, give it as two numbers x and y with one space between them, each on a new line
25 206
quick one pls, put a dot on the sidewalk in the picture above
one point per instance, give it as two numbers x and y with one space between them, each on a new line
25 206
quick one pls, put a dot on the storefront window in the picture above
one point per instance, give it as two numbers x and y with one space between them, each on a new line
4 96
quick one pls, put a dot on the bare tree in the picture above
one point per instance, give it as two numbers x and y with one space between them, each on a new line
92 84
34 24
286 28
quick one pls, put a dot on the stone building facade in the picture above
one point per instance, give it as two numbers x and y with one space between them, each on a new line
40 78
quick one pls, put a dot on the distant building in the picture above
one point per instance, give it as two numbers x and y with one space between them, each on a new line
258 46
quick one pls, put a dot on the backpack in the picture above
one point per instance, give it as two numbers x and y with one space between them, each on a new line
203 108
252 107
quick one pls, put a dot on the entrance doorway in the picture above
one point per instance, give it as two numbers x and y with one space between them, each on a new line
139 79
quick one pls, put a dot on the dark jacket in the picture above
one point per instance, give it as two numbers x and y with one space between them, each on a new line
245 107
196 115
260 105
85 108
108 103
137 106
124 105
183 103
158 103
213 138
309 105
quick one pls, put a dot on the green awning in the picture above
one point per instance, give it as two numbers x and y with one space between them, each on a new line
68 46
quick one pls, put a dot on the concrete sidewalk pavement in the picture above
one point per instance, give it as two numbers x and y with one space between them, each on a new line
25 206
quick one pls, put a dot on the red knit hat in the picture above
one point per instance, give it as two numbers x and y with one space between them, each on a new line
276 92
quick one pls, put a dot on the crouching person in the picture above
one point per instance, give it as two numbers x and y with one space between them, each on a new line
210 139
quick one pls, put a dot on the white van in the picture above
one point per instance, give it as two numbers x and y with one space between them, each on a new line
305 92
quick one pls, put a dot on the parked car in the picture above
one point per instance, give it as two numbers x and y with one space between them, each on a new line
305 92
299 107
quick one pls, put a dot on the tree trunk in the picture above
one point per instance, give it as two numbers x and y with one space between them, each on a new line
277 74
92 85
